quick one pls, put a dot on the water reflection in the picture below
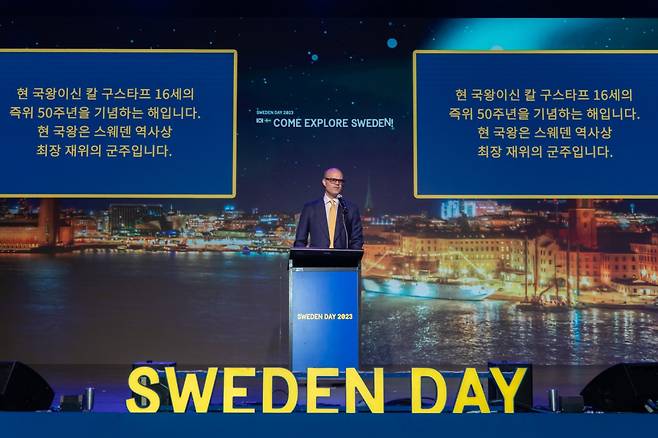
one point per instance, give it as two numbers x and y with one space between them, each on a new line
233 309
453 332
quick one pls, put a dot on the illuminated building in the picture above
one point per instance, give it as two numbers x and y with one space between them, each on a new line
129 217
477 252
47 225
25 234
636 288
231 213
616 266
453 209
84 226
379 245
582 224
647 264
450 209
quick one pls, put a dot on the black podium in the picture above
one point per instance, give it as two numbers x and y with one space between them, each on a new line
324 304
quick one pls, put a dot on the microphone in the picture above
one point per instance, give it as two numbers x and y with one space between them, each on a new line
343 205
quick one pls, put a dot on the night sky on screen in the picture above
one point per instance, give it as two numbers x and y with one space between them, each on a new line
323 68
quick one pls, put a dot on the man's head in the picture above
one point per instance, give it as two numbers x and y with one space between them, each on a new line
333 182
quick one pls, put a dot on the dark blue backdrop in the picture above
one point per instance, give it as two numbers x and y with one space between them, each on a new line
202 150
448 162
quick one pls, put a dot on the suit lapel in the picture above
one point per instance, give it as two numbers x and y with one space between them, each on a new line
338 229
342 226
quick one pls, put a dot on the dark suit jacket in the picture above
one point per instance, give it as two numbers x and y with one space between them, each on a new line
313 221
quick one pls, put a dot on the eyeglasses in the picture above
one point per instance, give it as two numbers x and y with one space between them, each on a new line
336 181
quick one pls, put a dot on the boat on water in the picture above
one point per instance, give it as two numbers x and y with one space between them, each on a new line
538 306
462 289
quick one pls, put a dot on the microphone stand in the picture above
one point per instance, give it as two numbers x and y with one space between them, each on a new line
344 207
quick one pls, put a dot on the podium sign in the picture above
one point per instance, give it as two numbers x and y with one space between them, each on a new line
324 303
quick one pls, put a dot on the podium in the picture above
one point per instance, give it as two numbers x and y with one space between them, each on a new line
324 303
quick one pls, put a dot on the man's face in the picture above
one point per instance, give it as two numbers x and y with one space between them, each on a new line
333 182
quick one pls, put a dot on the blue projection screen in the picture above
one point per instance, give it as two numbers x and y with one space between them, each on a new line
535 124
118 123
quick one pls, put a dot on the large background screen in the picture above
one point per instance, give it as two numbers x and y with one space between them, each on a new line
444 281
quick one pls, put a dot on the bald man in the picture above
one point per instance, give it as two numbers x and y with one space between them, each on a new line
331 221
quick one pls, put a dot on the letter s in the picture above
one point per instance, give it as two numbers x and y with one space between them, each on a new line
144 391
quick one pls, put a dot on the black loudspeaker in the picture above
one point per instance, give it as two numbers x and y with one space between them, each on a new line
23 389
160 388
523 399
71 403
624 387
572 404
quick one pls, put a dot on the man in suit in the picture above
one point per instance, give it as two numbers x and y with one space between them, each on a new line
332 221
